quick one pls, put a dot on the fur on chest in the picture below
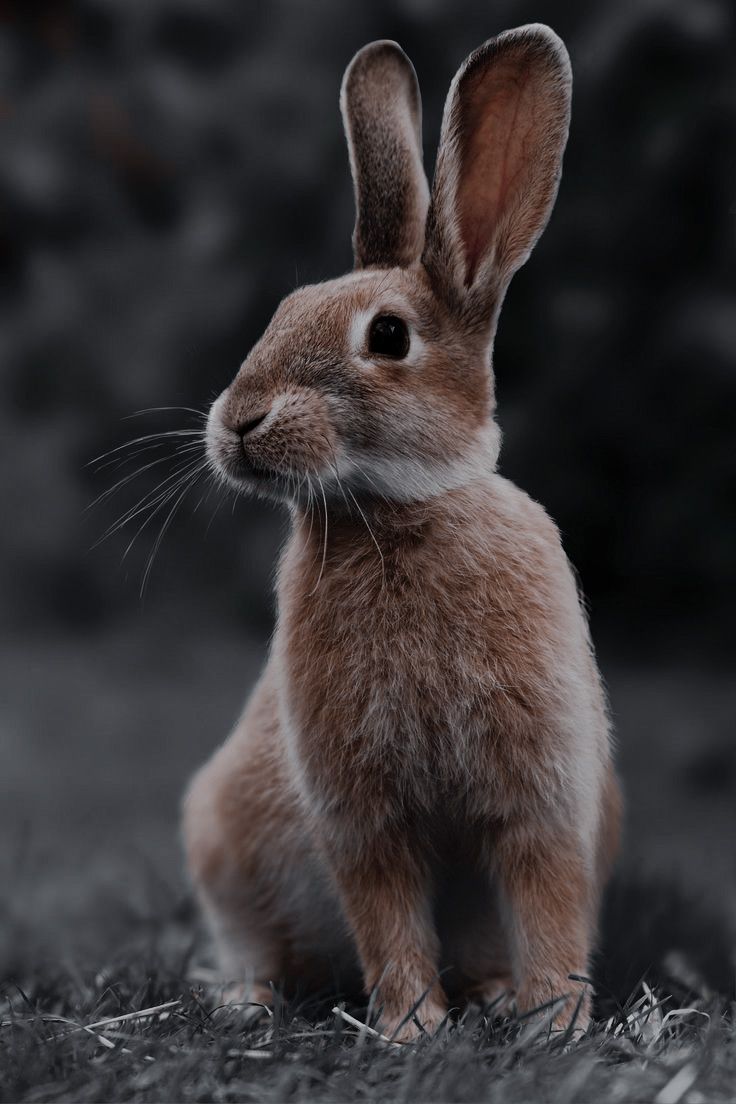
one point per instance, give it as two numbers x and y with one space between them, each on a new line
411 707
439 669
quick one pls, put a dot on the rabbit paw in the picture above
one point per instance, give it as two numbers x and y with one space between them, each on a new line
497 995
570 1013
245 1004
427 1020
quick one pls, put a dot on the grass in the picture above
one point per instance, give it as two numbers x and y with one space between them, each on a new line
130 1024
177 1050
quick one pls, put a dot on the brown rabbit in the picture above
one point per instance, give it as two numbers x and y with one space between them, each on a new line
421 785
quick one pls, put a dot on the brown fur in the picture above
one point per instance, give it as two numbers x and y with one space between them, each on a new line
382 113
503 133
422 780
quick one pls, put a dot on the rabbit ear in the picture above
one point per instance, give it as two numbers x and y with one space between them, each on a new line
503 135
382 114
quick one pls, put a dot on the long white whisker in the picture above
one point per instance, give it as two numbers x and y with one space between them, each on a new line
163 409
373 536
324 552
365 475
134 475
360 511
148 437
162 532
339 483
120 461
166 498
218 504
168 485
151 498
310 506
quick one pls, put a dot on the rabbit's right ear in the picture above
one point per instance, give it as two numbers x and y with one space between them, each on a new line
499 162
382 114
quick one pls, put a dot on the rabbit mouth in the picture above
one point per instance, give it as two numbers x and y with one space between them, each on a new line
248 471
257 470
247 474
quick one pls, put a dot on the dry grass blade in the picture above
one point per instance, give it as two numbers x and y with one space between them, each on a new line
159 1010
363 1028
143 1013
673 1016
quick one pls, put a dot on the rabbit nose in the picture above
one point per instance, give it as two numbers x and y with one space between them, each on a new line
244 428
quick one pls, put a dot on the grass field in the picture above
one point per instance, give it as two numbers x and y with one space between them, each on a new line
178 1054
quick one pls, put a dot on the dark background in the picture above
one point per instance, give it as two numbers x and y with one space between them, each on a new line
169 170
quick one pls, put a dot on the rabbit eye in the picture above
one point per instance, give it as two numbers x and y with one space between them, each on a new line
389 336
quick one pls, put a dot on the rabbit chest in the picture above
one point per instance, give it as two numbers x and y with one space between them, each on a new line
421 677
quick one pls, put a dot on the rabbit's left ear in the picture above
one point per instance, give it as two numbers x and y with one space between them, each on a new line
382 115
499 162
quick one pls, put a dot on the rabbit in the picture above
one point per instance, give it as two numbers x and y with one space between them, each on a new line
420 793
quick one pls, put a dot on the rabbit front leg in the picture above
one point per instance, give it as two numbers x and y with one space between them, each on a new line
383 889
546 890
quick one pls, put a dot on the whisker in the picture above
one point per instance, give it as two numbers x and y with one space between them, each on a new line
324 552
149 499
310 506
119 461
141 455
148 437
162 532
165 498
164 409
373 536
213 483
165 489
339 483
358 507
200 500
365 475
134 475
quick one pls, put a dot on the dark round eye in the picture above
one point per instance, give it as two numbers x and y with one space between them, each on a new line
388 336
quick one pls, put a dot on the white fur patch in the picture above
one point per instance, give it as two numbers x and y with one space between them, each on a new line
216 434
410 479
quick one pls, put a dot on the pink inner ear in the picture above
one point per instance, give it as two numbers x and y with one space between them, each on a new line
499 112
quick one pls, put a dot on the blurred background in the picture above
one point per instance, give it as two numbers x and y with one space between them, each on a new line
169 169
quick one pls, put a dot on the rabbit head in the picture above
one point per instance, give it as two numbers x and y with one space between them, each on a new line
380 382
